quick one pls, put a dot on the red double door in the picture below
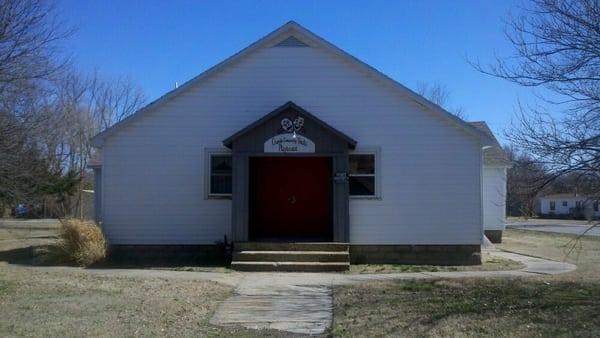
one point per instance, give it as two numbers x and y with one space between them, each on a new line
290 199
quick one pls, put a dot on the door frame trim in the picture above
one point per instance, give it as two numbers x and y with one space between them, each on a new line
241 194
330 204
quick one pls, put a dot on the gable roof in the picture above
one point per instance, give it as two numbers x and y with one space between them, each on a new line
494 154
289 105
281 34
563 195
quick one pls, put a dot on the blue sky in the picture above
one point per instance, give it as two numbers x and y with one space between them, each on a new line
158 43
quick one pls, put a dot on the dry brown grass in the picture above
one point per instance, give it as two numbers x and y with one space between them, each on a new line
537 307
583 252
73 303
565 305
488 263
82 242
65 302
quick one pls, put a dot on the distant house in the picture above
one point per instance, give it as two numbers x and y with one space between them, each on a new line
569 204
495 165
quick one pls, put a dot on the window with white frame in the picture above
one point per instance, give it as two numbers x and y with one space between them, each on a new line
362 174
565 204
552 205
219 170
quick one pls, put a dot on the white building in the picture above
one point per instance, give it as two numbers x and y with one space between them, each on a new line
568 205
294 139
495 166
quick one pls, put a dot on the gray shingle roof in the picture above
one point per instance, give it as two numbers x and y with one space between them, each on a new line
494 155
96 160
563 195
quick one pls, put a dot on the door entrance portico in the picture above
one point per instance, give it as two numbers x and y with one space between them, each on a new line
285 143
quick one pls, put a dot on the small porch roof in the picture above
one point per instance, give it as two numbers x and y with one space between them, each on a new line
228 142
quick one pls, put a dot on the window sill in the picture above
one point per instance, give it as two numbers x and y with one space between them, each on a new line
218 197
365 197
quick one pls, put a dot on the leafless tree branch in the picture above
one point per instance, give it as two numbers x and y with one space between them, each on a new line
440 95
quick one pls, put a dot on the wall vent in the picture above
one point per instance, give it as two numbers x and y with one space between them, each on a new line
292 41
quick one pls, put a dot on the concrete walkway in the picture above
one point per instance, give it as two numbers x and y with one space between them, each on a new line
302 303
280 306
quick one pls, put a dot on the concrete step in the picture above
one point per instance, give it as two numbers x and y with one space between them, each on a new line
276 246
292 256
265 266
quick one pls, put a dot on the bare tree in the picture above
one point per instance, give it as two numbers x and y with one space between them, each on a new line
85 105
48 110
30 37
524 173
557 48
114 99
77 108
17 159
440 95
30 57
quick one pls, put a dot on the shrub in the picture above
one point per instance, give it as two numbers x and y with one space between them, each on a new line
82 242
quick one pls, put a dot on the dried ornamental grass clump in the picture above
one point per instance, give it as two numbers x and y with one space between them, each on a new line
83 242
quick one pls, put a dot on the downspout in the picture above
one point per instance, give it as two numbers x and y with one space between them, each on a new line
481 200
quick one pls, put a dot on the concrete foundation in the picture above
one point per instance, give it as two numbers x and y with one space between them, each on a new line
495 236
180 255
416 254
167 255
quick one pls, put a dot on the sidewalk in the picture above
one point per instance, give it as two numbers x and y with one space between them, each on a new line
303 302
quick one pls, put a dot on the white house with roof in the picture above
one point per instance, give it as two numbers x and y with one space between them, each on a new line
292 143
568 204
495 166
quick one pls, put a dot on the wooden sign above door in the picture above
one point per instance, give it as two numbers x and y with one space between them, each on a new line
289 143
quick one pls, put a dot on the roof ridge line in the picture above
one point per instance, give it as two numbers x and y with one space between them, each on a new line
98 140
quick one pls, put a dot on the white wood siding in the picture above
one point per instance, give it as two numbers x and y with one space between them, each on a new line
566 210
558 205
154 174
494 198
